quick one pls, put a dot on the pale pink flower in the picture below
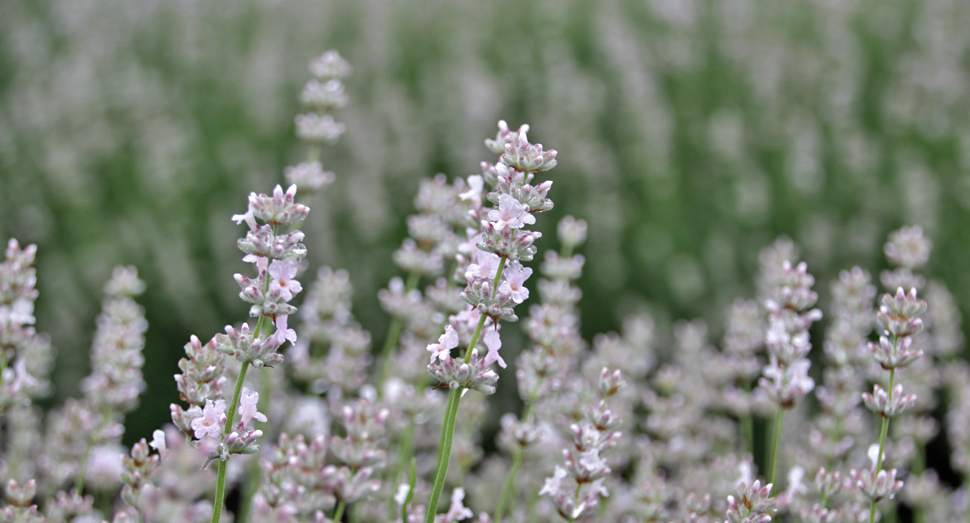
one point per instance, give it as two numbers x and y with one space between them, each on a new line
248 218
247 407
514 284
457 510
158 442
485 268
22 379
470 245
510 213
551 486
474 192
105 467
283 332
260 261
446 342
212 420
593 463
494 343
402 493
283 273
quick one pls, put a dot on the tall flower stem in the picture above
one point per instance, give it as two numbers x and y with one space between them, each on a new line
775 443
220 498
253 474
448 428
3 363
79 482
393 335
746 426
444 452
406 449
883 432
503 500
966 488
338 513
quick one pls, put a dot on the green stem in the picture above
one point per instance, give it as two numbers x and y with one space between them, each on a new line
393 335
411 482
444 453
3 363
746 428
475 336
253 474
503 500
103 503
746 424
407 446
775 443
338 514
79 481
883 432
916 467
313 153
404 454
498 276
220 497
966 488
833 442
448 429
509 484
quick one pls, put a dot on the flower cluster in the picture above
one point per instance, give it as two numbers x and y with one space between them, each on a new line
754 504
201 382
361 451
789 319
492 256
334 350
584 464
293 488
277 259
116 355
321 95
26 356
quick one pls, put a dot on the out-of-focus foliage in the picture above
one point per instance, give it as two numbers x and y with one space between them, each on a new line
690 133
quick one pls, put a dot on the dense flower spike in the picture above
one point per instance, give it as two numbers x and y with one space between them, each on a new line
492 256
585 466
753 504
116 355
276 210
25 355
789 319
202 380
210 419
321 95
898 323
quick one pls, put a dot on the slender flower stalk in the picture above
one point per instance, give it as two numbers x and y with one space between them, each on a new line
393 336
116 380
899 320
775 444
789 319
276 258
509 486
494 275
551 327
220 496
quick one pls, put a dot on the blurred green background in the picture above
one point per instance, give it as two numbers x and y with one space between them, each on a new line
690 134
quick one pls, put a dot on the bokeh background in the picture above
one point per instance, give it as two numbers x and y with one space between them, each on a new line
690 134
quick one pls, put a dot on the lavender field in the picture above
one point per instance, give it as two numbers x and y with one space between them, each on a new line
711 269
